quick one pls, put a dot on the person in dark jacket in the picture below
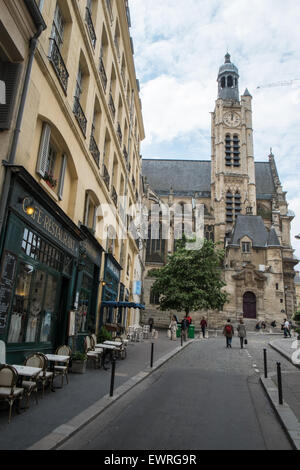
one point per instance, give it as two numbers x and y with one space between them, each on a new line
185 328
242 332
203 325
228 332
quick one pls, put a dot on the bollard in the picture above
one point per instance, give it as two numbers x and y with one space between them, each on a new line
112 382
279 379
152 354
265 364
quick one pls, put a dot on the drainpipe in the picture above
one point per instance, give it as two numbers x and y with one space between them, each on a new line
17 131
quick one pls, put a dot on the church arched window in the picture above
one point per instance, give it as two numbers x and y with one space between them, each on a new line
229 207
156 244
209 232
236 151
228 150
223 82
230 81
237 204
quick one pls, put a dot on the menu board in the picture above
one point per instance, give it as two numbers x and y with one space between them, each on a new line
9 264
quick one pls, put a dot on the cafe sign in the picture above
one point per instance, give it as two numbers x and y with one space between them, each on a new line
46 223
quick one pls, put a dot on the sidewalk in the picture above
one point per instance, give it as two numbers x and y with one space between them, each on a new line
289 412
60 414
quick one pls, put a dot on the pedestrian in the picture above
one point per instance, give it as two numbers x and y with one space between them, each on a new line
189 319
273 324
151 324
173 328
203 325
228 332
257 326
184 328
242 332
263 325
286 328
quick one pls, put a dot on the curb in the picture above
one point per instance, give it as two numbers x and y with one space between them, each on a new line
64 432
283 353
286 416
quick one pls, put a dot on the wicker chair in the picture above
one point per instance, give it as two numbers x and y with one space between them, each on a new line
2 352
39 360
92 354
63 370
8 387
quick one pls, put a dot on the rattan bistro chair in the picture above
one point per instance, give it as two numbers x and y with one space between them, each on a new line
39 360
92 354
63 370
8 387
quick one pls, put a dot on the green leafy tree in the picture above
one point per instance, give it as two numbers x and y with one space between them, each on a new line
191 280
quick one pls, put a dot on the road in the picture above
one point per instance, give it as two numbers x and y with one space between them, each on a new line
206 398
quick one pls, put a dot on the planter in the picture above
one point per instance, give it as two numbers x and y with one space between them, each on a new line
78 367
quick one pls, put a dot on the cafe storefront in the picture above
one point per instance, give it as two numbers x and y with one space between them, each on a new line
87 286
110 294
38 270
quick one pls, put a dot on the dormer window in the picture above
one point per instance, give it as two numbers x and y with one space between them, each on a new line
246 247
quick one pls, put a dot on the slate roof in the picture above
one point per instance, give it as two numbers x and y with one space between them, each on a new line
253 227
188 177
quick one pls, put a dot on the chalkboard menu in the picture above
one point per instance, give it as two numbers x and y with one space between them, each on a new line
8 272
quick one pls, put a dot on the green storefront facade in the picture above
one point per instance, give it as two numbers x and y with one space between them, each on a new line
42 276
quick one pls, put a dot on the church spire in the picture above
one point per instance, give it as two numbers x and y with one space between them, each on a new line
228 80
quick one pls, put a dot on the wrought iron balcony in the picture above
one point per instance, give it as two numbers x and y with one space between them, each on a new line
125 153
103 74
119 134
133 181
114 196
58 64
117 47
89 21
106 177
94 150
111 105
80 116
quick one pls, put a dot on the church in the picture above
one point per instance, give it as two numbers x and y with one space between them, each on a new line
245 208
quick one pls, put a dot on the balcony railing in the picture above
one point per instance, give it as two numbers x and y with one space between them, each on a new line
106 177
58 64
133 181
94 150
114 196
111 105
119 134
103 74
117 48
125 153
80 116
89 21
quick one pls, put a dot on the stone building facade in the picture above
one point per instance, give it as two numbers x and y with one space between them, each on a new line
72 173
245 208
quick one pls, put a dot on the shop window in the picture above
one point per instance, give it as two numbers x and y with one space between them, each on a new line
38 249
9 81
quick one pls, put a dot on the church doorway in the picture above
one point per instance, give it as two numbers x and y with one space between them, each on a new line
249 305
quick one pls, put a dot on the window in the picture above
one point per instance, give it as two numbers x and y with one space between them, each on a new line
236 151
209 232
154 298
232 150
9 81
51 163
246 247
156 245
55 52
90 212
229 207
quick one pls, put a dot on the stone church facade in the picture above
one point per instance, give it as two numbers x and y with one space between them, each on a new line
245 208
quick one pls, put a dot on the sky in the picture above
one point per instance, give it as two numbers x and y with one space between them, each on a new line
179 46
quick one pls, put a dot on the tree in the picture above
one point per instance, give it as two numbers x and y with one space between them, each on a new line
191 280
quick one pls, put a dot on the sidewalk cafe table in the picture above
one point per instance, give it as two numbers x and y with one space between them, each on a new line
53 358
28 372
108 348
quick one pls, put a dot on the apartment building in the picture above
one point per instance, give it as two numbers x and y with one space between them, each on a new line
67 257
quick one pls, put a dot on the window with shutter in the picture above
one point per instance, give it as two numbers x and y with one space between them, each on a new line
42 163
9 77
62 176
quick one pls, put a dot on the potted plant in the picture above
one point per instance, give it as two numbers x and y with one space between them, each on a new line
104 335
79 361
50 180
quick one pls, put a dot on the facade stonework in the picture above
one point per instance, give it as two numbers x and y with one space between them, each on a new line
245 208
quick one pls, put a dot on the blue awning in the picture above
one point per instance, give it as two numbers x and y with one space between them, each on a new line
119 304
140 306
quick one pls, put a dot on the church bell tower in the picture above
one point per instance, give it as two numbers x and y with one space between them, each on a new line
233 172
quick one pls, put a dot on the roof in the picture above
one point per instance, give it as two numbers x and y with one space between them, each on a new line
187 177
253 227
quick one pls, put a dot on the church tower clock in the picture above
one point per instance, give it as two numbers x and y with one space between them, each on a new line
233 172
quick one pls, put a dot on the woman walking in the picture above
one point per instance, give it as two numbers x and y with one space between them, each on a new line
228 332
242 332
173 328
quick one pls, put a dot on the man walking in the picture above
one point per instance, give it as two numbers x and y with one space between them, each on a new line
203 325
185 328
286 328
228 332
